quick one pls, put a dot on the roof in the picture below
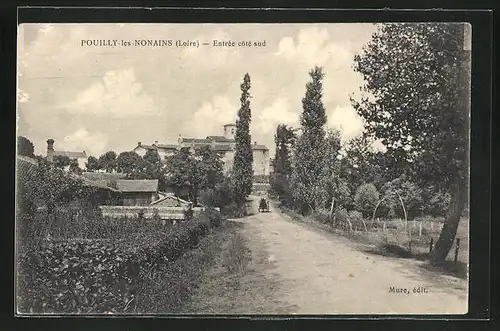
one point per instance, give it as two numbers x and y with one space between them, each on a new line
103 176
167 146
27 167
170 196
219 138
157 146
71 155
196 140
260 147
137 185
230 124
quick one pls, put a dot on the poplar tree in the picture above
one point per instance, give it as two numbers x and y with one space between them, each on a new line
308 159
242 171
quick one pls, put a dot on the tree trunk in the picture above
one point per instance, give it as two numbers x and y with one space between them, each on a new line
450 226
332 206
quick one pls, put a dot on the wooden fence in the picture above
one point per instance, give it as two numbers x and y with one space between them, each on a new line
149 212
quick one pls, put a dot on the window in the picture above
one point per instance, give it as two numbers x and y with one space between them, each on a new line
232 131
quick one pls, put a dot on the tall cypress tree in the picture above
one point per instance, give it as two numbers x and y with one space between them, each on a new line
308 159
242 172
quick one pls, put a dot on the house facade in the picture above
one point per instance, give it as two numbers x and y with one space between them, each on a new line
138 192
224 145
80 157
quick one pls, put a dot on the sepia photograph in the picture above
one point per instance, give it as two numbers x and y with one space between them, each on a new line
243 169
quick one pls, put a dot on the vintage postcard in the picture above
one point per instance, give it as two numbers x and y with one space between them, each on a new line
230 169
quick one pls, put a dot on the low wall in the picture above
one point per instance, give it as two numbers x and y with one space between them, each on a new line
165 213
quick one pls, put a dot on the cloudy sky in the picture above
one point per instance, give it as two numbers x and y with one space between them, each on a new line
109 98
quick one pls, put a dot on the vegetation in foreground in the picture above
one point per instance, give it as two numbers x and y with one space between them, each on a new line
422 171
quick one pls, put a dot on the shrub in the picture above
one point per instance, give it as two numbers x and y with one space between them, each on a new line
341 216
92 276
366 198
234 210
323 216
356 219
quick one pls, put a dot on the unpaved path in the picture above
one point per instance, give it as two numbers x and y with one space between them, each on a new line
297 270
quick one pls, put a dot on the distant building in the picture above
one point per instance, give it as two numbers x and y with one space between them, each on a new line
224 145
80 157
138 192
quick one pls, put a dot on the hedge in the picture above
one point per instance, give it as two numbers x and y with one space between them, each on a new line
95 277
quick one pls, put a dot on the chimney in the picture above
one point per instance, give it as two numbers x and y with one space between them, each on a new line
50 150
139 143
255 143
156 142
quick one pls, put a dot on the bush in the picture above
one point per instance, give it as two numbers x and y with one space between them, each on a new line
356 219
93 276
366 198
234 210
341 216
323 216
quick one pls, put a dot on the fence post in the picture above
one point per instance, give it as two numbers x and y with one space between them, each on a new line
457 247
383 227
431 245
420 229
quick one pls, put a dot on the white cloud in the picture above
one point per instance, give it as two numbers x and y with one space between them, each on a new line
347 121
211 116
119 95
311 46
93 143
277 113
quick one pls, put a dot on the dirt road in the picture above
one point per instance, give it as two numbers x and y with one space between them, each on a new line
297 270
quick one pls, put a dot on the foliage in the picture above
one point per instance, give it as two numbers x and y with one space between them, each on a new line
46 185
92 164
129 163
307 160
284 139
409 192
335 188
99 276
416 101
242 171
362 164
25 147
74 167
341 215
183 170
211 166
107 161
366 198
61 161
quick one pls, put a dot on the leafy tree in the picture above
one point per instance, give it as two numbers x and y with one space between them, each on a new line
242 171
107 161
212 167
416 100
307 161
48 185
75 167
92 164
25 147
284 139
129 163
409 192
362 164
61 161
334 185
183 170
366 198
151 167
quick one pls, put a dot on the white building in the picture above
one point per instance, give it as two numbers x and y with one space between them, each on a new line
224 145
